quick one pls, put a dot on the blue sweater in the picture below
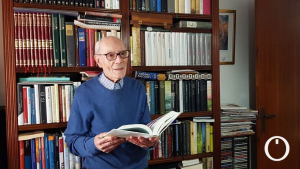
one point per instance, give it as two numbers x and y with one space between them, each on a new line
96 109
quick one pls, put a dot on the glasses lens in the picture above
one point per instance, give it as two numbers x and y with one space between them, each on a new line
111 56
124 54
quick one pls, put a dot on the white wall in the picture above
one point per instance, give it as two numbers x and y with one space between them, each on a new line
238 81
2 95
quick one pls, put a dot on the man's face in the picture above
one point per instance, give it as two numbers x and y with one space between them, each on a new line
114 69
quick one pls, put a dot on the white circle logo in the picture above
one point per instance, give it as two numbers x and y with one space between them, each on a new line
287 146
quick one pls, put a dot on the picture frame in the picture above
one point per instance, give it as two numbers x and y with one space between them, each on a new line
227 26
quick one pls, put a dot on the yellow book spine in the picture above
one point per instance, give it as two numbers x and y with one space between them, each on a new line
211 139
207 137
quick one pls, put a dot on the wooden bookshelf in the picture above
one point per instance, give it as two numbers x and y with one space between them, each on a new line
42 126
12 73
187 114
238 135
191 30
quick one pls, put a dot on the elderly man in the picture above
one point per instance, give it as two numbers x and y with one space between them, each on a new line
106 102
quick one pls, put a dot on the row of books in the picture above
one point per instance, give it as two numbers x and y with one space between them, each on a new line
45 102
178 95
236 120
204 163
107 4
46 40
173 75
226 153
170 48
172 6
43 150
184 138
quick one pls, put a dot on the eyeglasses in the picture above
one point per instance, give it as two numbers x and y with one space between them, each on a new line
113 56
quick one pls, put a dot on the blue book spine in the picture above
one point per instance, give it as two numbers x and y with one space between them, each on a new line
27 154
158 4
33 116
51 152
203 136
29 104
153 5
81 47
33 154
152 108
47 151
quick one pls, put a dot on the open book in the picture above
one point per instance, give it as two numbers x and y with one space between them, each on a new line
152 129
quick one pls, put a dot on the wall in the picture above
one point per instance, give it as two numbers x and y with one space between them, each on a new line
2 95
238 81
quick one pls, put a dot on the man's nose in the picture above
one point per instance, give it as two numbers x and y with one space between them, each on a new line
118 59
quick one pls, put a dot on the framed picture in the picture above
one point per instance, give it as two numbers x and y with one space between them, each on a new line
227 36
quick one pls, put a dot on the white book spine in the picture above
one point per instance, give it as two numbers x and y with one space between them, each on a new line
174 52
180 96
48 104
117 4
68 101
185 47
77 162
56 100
158 49
208 48
52 104
182 55
111 4
37 104
187 6
72 161
29 104
107 4
168 48
153 50
198 56
63 100
201 48
114 6
189 49
201 7
203 56
194 48
177 34
67 154
163 49
119 35
148 48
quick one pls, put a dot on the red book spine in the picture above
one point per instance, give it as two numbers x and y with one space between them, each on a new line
31 40
38 26
91 47
43 153
25 114
35 39
24 40
43 39
46 31
50 39
169 138
60 103
87 42
20 51
22 155
16 39
27 39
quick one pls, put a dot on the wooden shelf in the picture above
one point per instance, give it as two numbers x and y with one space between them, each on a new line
238 135
64 8
179 158
180 15
169 68
42 126
58 69
191 30
187 114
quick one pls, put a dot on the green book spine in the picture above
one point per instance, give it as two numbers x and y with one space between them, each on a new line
199 138
55 40
62 38
209 99
168 96
99 35
162 97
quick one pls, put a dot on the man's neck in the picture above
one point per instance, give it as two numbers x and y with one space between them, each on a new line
115 80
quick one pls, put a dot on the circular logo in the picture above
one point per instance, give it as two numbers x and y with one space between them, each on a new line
287 148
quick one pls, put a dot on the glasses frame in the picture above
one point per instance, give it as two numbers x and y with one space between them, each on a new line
116 55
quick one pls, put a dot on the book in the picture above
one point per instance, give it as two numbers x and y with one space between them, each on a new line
152 129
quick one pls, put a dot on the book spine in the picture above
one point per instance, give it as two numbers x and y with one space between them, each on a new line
37 104
81 47
27 35
20 105
23 32
22 155
136 46
43 39
35 39
70 44
27 154
162 97
31 38
50 40
76 46
20 40
156 91
32 101
55 37
152 83
47 45
87 43
91 37
25 105
33 154
62 40
164 6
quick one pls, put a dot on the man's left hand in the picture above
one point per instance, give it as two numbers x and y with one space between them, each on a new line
143 142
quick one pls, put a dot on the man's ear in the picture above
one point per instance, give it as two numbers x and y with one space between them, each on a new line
98 61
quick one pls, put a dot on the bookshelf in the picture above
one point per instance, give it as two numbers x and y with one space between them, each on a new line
12 73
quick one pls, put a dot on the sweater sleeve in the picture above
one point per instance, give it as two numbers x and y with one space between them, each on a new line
77 138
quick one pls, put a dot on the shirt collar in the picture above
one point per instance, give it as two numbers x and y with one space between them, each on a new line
110 84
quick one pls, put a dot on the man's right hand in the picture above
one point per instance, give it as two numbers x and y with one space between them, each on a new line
107 143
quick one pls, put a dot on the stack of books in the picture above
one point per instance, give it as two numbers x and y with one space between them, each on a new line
237 120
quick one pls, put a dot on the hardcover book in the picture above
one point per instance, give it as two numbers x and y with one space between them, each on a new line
152 129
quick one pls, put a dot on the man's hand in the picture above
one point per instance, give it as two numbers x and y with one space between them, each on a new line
144 142
107 143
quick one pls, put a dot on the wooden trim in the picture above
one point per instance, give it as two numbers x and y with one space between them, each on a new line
10 86
42 126
191 30
179 15
238 135
216 82
57 69
169 68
